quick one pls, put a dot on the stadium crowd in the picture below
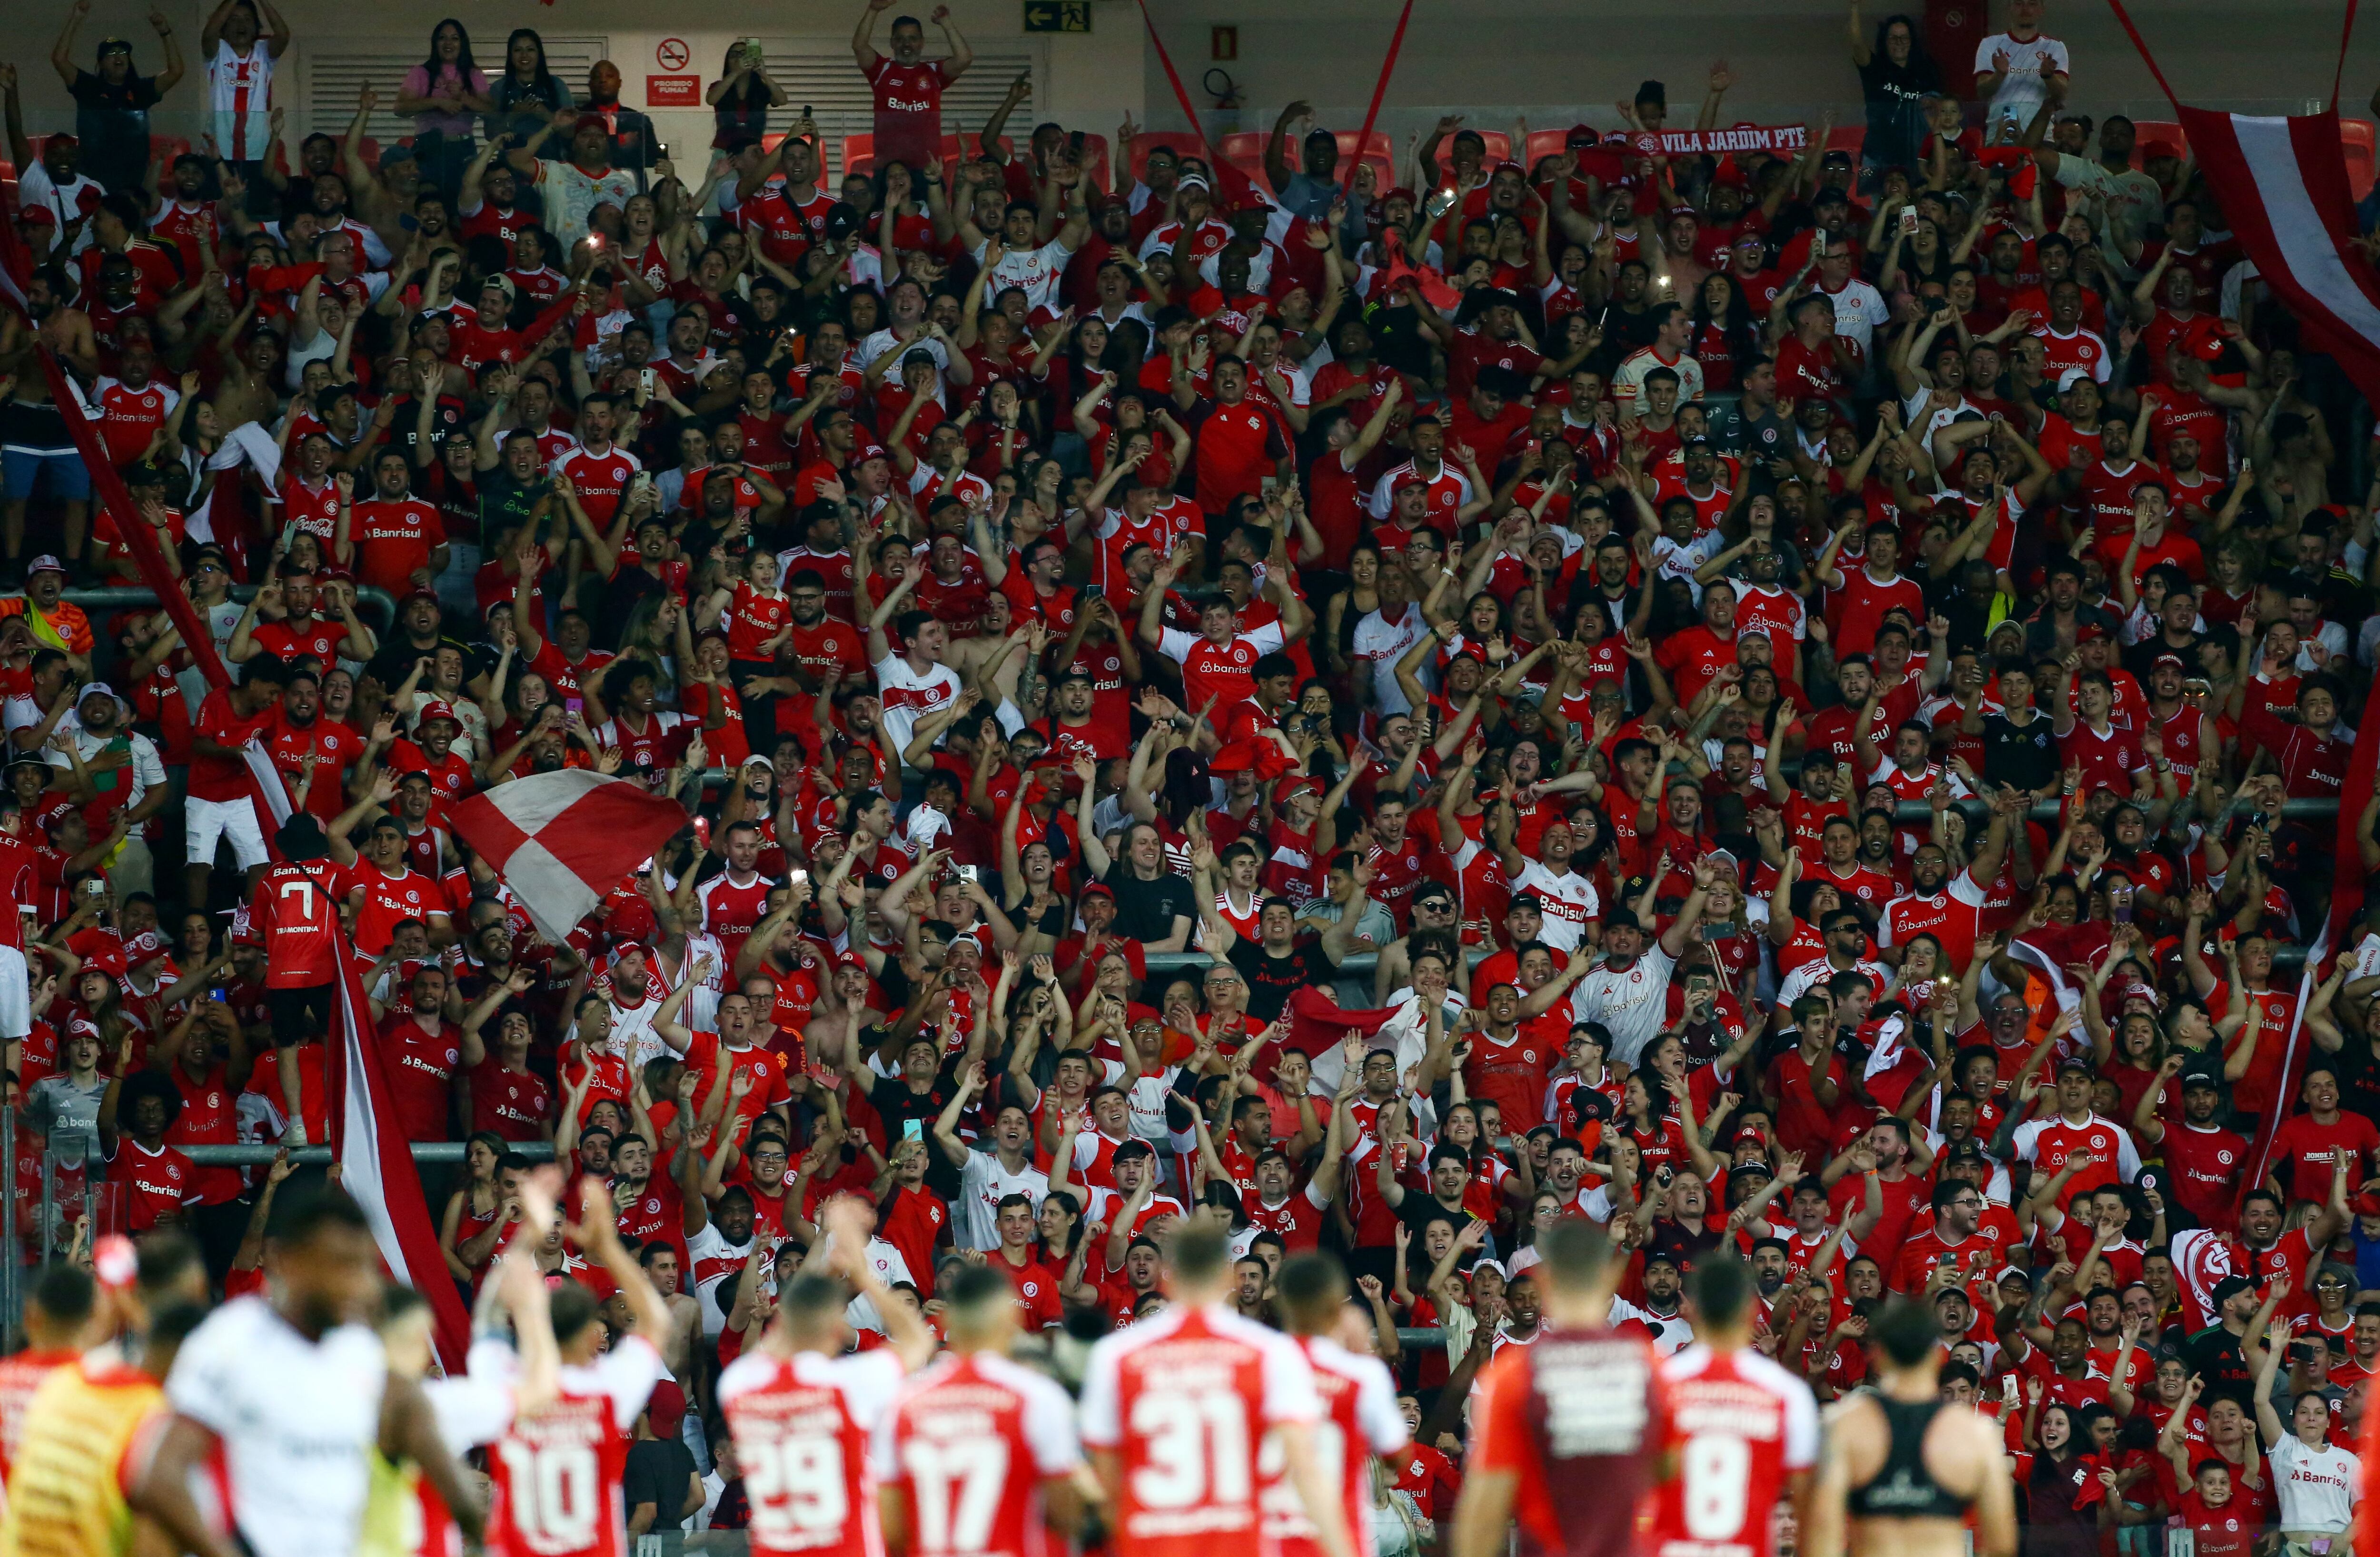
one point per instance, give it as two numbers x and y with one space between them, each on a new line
1763 701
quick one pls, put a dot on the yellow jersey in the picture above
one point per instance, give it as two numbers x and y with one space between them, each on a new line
65 1485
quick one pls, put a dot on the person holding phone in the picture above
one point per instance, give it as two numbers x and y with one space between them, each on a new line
741 98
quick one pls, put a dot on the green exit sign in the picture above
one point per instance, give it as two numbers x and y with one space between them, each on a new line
1057 16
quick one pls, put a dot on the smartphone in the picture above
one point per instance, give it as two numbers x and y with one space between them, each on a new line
1269 486
797 878
646 378
753 45
1089 592
913 1129
1908 219
968 874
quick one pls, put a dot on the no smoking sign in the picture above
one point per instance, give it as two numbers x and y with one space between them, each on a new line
670 54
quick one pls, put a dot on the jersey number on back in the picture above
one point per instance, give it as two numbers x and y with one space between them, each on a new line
957 1487
1198 1449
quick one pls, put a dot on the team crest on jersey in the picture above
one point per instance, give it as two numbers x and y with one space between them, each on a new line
2223 1158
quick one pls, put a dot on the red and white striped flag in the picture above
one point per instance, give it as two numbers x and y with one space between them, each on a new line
375 1160
2283 187
562 841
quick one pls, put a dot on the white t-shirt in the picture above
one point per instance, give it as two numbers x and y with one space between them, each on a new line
983 1184
2020 90
1629 1001
36 191
299 1458
2316 1487
1570 902
1629 382
1384 642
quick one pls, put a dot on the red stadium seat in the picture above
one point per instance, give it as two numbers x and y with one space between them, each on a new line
1245 150
1499 148
1848 138
1380 151
2355 138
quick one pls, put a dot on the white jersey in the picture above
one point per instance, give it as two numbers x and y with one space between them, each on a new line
908 695
2020 91
1630 1001
1628 384
983 1184
1033 271
240 93
1569 900
2317 1488
298 1458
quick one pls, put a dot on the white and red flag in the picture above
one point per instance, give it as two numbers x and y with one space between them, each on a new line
562 841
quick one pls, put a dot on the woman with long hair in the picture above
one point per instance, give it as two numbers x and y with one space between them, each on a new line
524 100
1725 334
741 98
478 1204
1896 77
445 94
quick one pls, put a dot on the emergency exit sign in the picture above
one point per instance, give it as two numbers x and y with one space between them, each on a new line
1057 16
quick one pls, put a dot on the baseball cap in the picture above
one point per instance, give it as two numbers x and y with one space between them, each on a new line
96 690
44 563
1193 181
2367 1204
1099 889
2231 1287
2174 660
2090 632
2067 379
435 709
2011 1274
1528 900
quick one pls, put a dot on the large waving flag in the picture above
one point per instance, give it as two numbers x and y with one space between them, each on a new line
375 1160
2282 185
561 840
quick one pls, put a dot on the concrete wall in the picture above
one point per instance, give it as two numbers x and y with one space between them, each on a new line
1555 63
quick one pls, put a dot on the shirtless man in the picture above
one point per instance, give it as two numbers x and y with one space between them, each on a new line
29 421
1901 1467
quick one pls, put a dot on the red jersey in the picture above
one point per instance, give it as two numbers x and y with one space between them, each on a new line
296 908
384 901
1581 1419
1741 1427
557 1474
968 1445
802 1427
1185 1399
1359 1420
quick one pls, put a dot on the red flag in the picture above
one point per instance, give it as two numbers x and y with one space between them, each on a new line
561 840
1316 1024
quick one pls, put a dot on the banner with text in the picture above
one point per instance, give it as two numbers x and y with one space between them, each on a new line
1784 140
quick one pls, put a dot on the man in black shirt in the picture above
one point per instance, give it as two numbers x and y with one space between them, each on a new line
2214 1353
1274 964
2019 748
1153 907
916 1097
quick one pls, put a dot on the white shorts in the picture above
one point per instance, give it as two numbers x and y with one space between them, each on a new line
209 821
15 996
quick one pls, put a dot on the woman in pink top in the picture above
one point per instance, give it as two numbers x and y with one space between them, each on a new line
445 94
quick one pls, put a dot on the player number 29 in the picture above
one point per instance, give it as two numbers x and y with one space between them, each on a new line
1717 1471
797 1485
1198 1449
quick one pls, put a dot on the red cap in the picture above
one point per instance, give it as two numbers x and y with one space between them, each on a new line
142 948
2090 632
1099 889
2367 1204
435 709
